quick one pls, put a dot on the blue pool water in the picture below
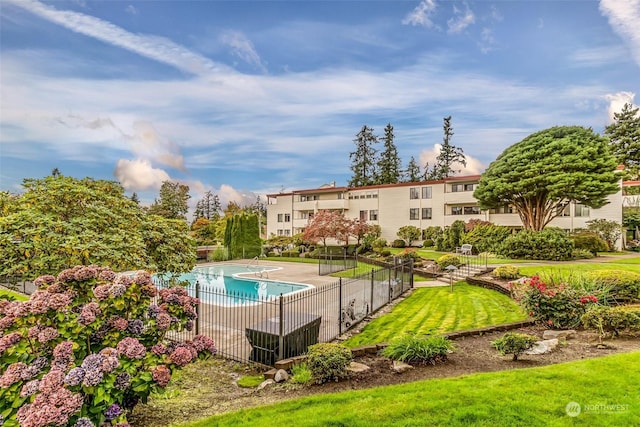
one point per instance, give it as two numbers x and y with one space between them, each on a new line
236 285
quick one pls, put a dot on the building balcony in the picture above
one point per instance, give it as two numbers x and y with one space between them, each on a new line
318 205
460 198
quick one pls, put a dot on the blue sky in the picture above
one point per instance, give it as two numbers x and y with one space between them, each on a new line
245 98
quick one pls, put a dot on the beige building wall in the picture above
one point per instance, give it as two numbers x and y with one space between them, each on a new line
421 204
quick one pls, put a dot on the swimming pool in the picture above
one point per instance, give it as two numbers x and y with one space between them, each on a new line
236 285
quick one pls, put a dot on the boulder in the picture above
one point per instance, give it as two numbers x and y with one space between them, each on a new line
281 376
401 367
356 367
265 383
543 347
550 334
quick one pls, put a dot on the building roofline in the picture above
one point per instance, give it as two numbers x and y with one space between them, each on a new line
372 187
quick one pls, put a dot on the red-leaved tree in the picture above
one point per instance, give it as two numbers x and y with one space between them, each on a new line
325 225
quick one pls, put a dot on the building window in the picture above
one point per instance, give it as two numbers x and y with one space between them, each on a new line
470 187
287 217
456 210
280 232
471 210
363 215
582 210
287 232
413 213
340 196
456 188
279 217
375 195
426 213
414 193
373 215
564 211
426 192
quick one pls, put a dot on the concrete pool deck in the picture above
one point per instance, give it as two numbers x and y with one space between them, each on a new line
297 272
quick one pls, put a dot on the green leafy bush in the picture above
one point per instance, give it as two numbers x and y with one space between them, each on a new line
486 238
328 361
548 244
398 243
507 272
446 260
624 286
514 343
581 254
589 241
554 305
414 349
220 254
379 243
612 319
427 243
89 345
301 374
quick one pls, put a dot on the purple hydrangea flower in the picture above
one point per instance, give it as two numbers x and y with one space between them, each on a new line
153 311
135 327
123 381
29 388
117 290
74 377
84 422
112 412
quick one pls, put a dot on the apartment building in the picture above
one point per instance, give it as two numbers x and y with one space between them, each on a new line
421 204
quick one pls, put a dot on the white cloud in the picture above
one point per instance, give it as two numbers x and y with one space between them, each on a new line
487 40
146 143
461 19
601 56
473 167
243 48
624 17
153 47
135 175
421 15
131 9
617 101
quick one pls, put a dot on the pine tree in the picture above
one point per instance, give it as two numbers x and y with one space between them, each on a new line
173 201
389 165
449 156
624 134
208 207
363 160
412 173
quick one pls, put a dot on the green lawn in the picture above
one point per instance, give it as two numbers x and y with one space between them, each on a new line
437 310
434 255
573 268
16 295
606 388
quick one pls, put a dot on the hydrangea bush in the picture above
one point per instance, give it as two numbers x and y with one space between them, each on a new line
89 345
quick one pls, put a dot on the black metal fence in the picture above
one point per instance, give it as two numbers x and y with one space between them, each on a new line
250 328
331 263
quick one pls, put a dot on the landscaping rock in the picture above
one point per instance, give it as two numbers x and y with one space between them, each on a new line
281 376
356 367
543 347
550 334
265 383
401 367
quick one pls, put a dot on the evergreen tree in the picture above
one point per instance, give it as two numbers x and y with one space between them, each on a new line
135 199
449 156
363 160
173 201
624 135
389 165
412 173
208 207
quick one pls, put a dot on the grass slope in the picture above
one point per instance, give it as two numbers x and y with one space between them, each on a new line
437 310
16 295
523 397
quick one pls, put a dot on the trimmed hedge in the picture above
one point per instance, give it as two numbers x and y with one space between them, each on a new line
549 244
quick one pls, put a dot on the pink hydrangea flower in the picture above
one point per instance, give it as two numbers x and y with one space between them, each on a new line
161 375
13 374
181 356
131 348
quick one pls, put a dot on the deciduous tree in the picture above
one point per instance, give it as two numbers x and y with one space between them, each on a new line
409 233
546 171
324 225
172 203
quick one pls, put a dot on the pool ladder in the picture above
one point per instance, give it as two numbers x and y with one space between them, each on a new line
260 273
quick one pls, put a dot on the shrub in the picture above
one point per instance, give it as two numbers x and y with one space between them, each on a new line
410 254
486 238
507 272
589 241
427 243
385 253
446 260
413 349
514 343
555 305
398 243
87 346
291 254
548 244
379 243
624 286
581 254
220 254
328 362
612 319
431 232
301 374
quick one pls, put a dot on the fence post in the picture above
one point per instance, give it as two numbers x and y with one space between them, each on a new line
281 331
411 273
198 308
389 281
340 306
371 297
